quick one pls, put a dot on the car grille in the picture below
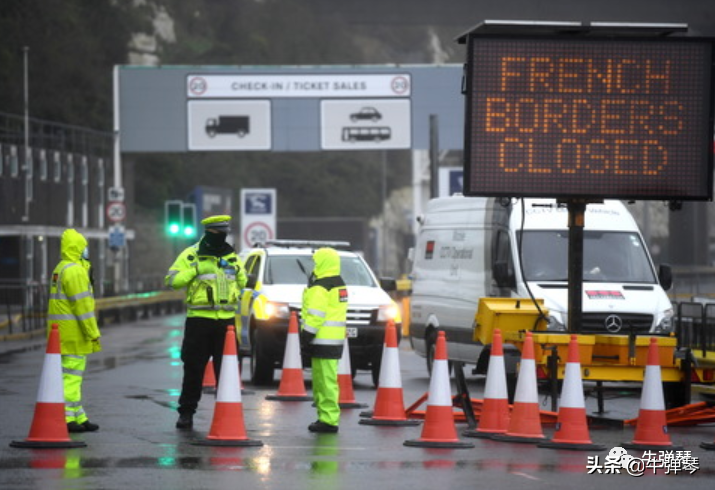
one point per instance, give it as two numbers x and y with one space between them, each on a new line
596 323
357 317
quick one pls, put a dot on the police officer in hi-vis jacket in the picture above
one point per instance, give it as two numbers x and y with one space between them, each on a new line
213 276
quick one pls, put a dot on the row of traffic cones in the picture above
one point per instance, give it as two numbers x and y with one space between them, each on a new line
49 430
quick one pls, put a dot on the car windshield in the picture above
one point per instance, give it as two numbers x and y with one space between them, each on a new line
607 257
295 269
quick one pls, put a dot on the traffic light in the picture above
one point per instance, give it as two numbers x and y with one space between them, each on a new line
189 219
173 217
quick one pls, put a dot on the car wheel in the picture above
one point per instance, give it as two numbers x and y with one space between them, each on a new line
376 373
261 367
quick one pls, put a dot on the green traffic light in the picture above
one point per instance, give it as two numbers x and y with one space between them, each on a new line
174 228
189 231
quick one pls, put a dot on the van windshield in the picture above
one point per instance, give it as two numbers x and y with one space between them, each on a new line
607 257
295 269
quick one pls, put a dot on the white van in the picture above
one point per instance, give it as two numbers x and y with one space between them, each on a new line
469 247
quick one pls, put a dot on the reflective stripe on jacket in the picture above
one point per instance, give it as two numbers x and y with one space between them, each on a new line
213 284
71 302
325 306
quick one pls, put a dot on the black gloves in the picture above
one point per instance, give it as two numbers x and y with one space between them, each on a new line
305 341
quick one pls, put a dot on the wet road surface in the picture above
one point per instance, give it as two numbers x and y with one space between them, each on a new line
132 387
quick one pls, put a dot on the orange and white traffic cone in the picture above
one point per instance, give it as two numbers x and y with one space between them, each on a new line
345 380
292 385
571 426
525 418
438 430
49 428
651 427
209 383
228 427
389 401
494 418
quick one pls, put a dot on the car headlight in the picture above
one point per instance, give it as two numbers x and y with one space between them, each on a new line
554 323
666 323
388 312
277 310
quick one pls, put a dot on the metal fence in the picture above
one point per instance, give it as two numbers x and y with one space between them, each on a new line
23 308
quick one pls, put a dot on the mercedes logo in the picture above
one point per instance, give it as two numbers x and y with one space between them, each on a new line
613 323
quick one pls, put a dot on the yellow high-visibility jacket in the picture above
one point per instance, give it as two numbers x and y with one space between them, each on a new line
325 306
71 303
213 284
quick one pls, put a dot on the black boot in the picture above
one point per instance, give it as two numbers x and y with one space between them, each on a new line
186 421
322 427
89 426
75 427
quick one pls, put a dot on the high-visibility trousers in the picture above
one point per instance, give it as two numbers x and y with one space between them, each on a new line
72 373
326 392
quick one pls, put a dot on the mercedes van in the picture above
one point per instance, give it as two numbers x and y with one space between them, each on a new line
473 247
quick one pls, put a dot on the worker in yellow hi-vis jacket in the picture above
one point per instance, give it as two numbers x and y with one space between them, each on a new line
71 307
323 330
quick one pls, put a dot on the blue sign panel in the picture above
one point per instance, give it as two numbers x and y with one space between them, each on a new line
258 203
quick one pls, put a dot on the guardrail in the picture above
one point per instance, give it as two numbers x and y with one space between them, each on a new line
23 308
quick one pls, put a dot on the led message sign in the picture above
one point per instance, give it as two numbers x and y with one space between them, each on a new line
589 118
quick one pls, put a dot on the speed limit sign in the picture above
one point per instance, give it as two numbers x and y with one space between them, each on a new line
257 232
116 211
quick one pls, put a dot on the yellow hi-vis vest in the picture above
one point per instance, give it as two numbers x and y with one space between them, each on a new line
325 306
213 284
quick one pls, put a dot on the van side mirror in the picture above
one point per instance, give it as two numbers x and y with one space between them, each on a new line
251 282
388 284
502 276
665 276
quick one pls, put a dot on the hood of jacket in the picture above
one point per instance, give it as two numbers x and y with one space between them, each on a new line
327 263
72 245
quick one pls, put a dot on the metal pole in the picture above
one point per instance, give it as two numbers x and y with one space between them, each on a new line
383 240
26 101
577 211
434 155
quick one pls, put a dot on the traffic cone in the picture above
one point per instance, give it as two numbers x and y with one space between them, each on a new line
227 427
49 428
571 426
209 383
292 386
525 418
651 427
389 401
494 418
438 430
345 380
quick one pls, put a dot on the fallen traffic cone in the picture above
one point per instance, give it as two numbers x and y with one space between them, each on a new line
494 418
345 380
525 418
292 386
227 427
209 383
571 426
389 401
651 427
49 428
438 430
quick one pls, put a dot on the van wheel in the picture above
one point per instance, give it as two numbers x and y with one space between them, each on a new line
431 346
261 367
